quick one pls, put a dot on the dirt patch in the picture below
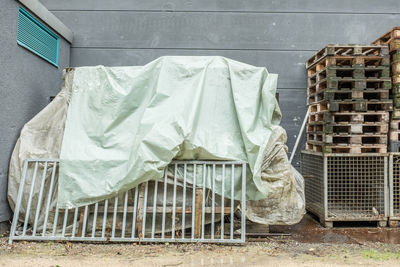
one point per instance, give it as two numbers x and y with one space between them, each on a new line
306 244
275 251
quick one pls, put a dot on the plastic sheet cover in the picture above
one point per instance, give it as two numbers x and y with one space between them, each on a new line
125 125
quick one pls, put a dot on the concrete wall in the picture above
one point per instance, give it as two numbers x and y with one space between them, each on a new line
26 83
280 35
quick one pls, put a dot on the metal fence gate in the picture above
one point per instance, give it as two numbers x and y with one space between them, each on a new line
171 210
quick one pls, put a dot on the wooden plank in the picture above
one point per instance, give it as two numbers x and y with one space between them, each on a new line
198 213
140 210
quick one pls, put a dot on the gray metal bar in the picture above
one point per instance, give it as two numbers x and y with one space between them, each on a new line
39 202
65 222
194 199
232 198
174 203
124 215
96 207
28 208
85 215
18 204
53 173
153 225
203 201
114 216
209 162
164 202
243 219
103 229
134 212
222 201
74 224
119 239
213 202
146 191
55 221
184 201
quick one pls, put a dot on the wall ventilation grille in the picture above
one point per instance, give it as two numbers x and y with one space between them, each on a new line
32 35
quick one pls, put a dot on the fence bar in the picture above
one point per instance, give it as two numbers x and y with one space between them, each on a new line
103 229
114 216
153 225
124 215
203 201
53 173
164 202
194 199
18 204
84 221
243 217
184 201
222 201
96 207
232 197
213 202
174 203
146 192
134 212
39 202
74 224
28 209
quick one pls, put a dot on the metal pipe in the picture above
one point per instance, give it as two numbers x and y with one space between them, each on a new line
299 136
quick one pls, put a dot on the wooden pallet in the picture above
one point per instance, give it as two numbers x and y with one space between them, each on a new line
349 117
349 95
352 105
348 128
390 35
346 148
349 62
349 83
345 72
347 50
345 138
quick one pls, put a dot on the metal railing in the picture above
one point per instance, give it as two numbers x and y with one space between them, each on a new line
201 211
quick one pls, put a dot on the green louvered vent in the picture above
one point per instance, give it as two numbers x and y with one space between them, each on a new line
32 35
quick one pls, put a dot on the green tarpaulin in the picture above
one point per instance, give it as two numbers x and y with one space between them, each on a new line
125 124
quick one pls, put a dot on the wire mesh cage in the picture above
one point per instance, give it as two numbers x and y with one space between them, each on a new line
346 187
394 185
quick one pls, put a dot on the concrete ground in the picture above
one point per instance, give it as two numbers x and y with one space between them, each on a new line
307 244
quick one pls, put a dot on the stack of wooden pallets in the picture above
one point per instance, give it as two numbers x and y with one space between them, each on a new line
348 99
392 39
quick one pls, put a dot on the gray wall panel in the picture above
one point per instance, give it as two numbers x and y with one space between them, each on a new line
290 65
26 83
352 6
198 30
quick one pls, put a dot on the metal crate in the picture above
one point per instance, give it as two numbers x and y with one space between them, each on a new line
346 187
394 187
